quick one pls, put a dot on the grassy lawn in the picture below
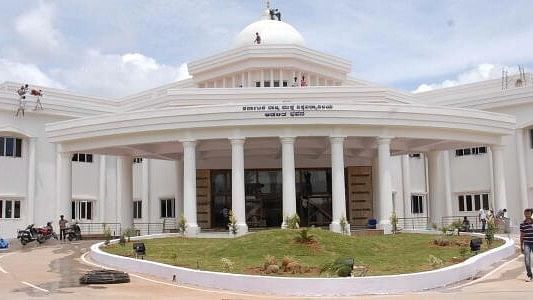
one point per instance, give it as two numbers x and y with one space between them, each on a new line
386 254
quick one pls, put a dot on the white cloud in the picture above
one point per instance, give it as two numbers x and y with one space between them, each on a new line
479 73
118 75
36 29
25 73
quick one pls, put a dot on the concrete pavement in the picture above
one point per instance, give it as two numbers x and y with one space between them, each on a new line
52 270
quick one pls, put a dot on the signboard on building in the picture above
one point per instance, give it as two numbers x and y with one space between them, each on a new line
286 110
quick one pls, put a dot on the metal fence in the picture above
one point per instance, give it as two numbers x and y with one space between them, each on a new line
475 224
413 223
148 228
98 228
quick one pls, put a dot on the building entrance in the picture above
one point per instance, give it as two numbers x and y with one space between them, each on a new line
264 196
313 196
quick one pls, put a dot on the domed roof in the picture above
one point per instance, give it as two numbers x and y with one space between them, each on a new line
272 32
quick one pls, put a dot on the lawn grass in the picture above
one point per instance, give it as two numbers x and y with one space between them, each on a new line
385 254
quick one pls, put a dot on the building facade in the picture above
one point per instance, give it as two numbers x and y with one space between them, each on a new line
267 131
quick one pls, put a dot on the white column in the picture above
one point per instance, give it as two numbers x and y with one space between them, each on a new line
406 186
500 199
435 187
102 187
337 184
447 183
189 186
145 198
64 184
224 82
289 188
238 205
30 192
242 80
271 77
522 174
233 81
179 188
125 191
385 184
262 83
281 77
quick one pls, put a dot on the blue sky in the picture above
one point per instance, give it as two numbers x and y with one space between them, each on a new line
115 48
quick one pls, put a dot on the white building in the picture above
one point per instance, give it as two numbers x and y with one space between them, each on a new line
267 130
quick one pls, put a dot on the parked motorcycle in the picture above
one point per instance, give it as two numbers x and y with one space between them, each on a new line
47 232
29 234
73 232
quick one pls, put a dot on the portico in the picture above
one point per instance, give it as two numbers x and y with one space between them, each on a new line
336 139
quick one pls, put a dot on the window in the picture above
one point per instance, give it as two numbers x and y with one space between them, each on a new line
414 155
11 210
258 84
10 146
82 157
471 151
137 160
473 202
82 210
276 83
266 83
137 209
285 83
417 204
167 208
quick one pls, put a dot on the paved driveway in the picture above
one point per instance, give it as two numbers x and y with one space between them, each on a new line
52 270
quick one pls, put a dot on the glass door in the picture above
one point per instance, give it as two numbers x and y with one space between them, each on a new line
313 196
221 197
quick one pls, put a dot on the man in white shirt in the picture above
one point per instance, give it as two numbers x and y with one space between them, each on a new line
483 219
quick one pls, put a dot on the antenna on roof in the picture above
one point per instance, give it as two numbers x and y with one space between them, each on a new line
505 79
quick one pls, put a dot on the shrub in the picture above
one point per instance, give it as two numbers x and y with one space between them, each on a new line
129 232
394 222
232 225
122 240
304 237
182 224
272 269
489 233
434 226
434 261
341 267
456 226
293 222
441 242
227 264
107 235
269 261
463 251
343 223
286 260
294 268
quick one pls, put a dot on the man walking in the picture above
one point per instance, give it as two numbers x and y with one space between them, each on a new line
62 228
483 219
526 241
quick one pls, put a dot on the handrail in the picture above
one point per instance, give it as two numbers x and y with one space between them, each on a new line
413 223
475 224
147 228
98 228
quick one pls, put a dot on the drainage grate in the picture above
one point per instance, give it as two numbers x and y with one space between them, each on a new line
104 277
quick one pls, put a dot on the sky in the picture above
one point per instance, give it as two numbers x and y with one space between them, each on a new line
113 48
